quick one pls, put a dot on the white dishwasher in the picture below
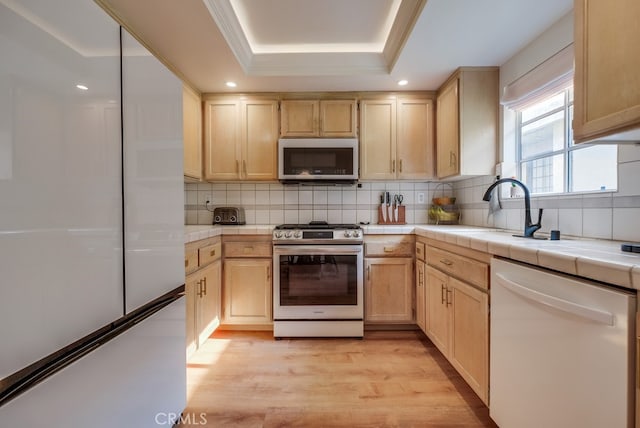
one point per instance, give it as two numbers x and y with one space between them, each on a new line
562 350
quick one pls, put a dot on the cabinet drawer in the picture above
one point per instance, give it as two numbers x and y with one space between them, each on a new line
247 249
190 259
210 253
470 270
394 246
420 250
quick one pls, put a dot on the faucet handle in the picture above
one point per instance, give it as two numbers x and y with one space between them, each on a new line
539 217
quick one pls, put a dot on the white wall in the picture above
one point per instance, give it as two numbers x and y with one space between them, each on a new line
605 215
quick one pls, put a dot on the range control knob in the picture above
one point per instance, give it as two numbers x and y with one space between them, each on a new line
356 234
288 234
297 234
347 234
278 234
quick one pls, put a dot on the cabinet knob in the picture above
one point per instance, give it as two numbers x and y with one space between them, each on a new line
186 263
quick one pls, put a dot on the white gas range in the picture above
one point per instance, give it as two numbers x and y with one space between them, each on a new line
318 280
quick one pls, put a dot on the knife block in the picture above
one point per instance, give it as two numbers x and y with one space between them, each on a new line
390 213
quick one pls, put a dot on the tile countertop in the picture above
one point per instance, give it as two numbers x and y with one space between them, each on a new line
601 260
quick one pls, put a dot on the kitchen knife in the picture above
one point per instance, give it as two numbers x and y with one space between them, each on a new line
396 202
389 213
383 209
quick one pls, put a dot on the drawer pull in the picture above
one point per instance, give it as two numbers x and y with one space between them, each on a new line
446 262
186 263
248 250
389 249
212 253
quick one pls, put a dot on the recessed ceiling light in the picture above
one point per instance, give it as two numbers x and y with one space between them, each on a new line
403 82
231 84
83 87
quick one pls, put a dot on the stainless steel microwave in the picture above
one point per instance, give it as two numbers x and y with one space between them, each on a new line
318 160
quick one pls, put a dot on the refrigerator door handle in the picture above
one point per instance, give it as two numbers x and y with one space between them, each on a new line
591 314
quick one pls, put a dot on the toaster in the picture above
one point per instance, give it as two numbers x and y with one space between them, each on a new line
228 215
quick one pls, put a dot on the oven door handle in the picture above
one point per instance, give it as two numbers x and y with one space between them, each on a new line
298 250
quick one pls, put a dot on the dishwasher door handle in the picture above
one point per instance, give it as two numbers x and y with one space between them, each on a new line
591 314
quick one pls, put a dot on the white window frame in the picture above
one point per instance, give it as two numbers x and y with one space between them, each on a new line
566 151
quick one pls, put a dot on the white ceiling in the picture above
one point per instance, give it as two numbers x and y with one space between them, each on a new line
296 39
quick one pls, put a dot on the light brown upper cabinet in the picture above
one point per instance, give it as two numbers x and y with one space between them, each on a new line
396 138
241 137
318 118
467 123
606 80
192 133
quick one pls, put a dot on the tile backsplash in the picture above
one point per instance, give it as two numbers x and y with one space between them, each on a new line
275 203
604 215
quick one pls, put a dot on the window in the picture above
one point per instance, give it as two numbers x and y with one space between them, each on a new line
549 161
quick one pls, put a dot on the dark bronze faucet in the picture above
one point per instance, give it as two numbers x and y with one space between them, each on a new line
529 228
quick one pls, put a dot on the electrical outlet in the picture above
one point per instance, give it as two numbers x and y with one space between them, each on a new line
421 198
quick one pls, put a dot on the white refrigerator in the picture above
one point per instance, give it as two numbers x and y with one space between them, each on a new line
91 222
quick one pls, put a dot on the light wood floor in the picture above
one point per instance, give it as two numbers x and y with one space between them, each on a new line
388 379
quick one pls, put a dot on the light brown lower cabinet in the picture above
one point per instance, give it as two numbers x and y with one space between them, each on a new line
247 291
421 300
388 290
457 321
202 291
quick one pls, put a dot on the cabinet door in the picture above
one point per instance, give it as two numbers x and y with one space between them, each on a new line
300 118
260 139
469 347
437 311
377 139
415 150
388 290
192 133
247 291
222 149
191 285
208 317
421 311
607 84
338 118
448 131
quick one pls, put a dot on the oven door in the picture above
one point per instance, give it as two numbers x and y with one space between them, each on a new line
312 282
